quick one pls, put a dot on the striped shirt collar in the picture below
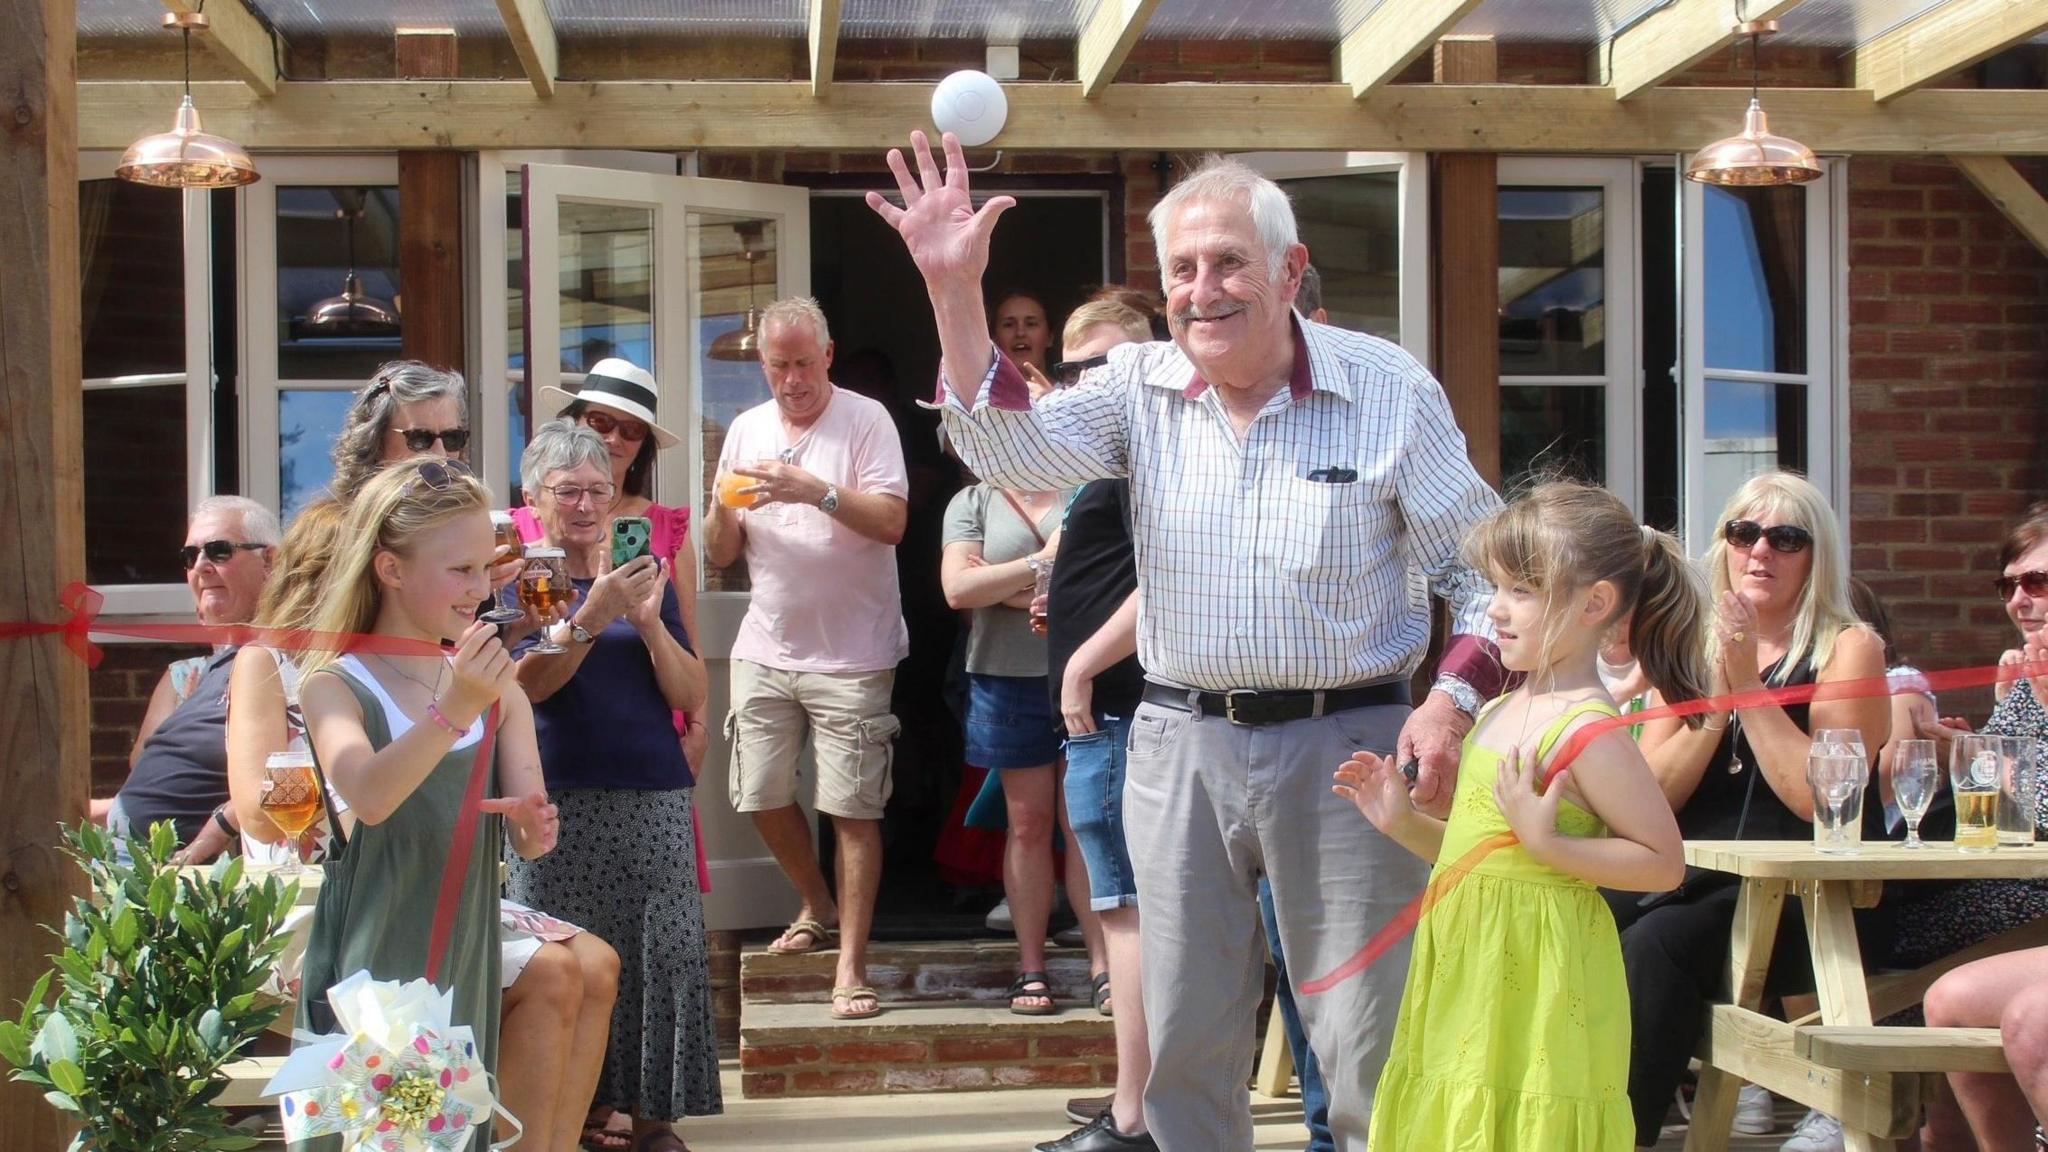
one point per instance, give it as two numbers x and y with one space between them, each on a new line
1301 379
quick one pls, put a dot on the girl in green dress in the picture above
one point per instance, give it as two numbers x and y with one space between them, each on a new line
1514 1031
396 738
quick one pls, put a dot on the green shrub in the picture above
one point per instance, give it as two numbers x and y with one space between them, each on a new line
159 989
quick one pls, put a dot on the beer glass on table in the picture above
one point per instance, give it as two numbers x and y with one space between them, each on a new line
1041 587
2017 781
1973 774
1916 772
545 590
291 798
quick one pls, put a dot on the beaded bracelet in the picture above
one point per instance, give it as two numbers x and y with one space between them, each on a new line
434 713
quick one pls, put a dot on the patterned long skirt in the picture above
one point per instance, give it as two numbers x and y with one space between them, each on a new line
625 868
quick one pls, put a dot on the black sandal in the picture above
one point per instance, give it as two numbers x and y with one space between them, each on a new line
1101 986
1021 988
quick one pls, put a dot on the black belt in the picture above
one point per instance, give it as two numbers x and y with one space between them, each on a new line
1249 707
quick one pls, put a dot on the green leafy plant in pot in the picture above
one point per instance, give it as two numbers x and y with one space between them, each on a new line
158 989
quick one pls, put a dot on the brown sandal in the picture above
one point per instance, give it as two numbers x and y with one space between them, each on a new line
819 937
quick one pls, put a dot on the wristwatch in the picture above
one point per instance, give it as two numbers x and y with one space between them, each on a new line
580 634
1462 695
830 503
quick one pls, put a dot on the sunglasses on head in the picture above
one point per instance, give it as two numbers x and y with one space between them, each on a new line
2036 584
1786 538
604 424
218 551
437 473
421 439
1069 371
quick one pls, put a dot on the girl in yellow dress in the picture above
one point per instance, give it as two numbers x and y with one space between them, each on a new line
1514 1031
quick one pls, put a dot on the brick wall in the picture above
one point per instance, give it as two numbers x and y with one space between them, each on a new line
1948 390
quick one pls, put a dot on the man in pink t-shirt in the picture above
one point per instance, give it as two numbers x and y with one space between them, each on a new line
824 632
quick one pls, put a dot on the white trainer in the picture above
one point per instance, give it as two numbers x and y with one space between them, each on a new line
1755 1111
1815 1133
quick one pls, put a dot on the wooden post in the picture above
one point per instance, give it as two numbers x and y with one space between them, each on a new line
430 222
1466 279
43 748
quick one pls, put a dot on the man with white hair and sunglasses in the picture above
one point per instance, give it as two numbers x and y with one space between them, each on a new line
1297 492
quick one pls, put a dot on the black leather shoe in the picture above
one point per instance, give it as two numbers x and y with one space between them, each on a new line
1100 1136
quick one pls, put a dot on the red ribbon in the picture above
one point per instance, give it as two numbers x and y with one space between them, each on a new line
1448 878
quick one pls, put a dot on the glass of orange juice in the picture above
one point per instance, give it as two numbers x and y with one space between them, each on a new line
732 490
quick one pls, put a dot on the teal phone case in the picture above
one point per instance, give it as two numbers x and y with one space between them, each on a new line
632 536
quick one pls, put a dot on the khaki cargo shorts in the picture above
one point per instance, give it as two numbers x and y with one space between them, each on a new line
844 715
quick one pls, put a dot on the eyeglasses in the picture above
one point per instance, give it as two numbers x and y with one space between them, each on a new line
604 424
437 473
1784 538
1069 371
574 493
421 439
2036 584
222 551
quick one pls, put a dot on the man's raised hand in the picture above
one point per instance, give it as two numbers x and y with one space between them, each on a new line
947 237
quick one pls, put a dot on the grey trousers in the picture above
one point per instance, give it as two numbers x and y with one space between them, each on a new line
1208 807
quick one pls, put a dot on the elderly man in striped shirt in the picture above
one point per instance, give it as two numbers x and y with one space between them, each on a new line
1297 493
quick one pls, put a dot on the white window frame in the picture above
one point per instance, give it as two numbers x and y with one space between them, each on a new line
1620 183
174 600
257 256
1412 221
1825 378
496 173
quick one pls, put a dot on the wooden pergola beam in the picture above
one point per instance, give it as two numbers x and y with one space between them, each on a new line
824 43
2012 192
676 115
1113 29
533 41
1672 39
238 39
1944 39
1390 37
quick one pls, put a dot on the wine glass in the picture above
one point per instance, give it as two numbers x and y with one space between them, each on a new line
291 799
1837 777
1916 772
545 590
1839 742
505 608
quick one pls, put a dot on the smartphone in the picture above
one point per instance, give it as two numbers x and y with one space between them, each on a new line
632 538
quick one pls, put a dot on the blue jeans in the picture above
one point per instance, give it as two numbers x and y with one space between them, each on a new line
1315 1100
1094 786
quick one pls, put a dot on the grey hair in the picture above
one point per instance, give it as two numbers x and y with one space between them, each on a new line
557 446
798 310
358 451
258 523
1222 179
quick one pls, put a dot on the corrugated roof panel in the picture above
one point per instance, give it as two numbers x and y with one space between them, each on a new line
609 19
1000 21
316 19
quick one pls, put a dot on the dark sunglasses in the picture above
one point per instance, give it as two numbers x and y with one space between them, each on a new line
604 424
421 439
2036 584
1785 538
1069 371
222 551
437 473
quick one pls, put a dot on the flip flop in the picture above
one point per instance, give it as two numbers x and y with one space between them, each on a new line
1021 989
1101 993
820 936
851 993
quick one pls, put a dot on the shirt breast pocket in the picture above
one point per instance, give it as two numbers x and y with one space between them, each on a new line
1329 533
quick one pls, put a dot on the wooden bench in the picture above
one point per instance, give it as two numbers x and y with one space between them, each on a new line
246 1078
1854 1049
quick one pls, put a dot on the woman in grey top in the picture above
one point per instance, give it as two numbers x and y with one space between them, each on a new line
994 538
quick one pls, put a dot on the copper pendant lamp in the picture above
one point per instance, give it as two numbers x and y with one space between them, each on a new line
353 312
186 157
744 342
1755 158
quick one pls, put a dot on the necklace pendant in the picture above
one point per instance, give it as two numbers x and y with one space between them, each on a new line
1736 766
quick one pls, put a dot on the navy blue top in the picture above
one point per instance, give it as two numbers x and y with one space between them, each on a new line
182 774
610 726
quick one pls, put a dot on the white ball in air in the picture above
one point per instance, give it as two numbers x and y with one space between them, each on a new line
971 106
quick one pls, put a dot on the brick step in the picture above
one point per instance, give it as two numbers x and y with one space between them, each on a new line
908 973
800 1050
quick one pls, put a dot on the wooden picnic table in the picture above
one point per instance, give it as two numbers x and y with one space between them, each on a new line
1874 1080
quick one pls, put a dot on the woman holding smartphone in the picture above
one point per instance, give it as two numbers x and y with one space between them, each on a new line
626 865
